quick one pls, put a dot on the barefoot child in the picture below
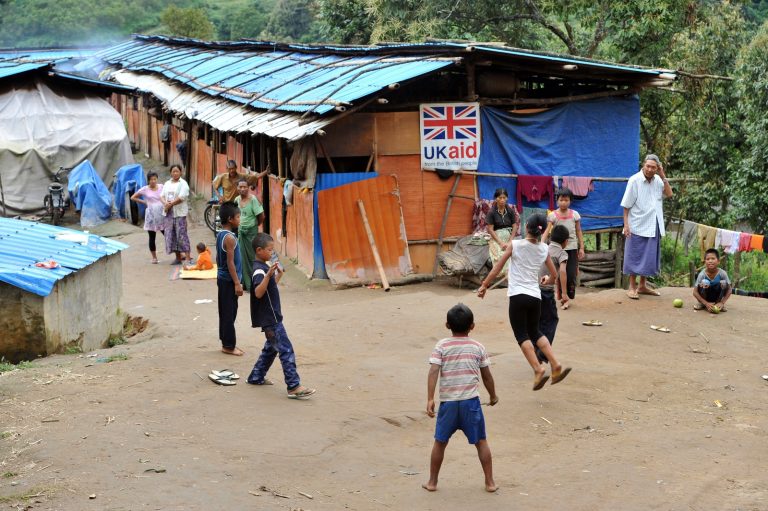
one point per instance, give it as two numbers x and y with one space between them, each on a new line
549 318
712 288
203 259
266 313
459 362
571 219
526 257
228 277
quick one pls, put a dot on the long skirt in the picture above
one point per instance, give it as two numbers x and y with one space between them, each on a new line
642 256
495 250
176 238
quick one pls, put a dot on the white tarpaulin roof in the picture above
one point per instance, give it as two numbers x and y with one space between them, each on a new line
42 129
219 113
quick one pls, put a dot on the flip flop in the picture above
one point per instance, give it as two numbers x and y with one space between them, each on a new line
633 295
226 373
220 380
651 292
266 381
592 322
660 329
537 385
561 376
302 394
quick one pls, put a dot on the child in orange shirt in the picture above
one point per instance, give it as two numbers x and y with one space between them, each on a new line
203 259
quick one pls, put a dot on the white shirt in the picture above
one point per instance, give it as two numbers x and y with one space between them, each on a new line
643 199
524 266
172 191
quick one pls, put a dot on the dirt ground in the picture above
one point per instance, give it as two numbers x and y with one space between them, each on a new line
634 427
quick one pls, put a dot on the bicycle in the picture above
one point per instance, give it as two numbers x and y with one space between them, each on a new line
56 202
211 213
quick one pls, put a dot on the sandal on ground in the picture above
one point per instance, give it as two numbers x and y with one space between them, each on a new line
557 378
538 384
301 394
632 294
660 329
154 261
221 380
226 373
592 322
647 291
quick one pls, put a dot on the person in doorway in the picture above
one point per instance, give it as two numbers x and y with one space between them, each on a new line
175 206
459 362
502 224
526 257
644 224
153 213
251 217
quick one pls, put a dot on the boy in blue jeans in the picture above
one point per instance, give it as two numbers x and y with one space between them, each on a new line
459 362
266 313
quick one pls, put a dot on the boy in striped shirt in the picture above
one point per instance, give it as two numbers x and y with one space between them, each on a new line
459 362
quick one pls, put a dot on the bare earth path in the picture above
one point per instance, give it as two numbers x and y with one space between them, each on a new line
635 426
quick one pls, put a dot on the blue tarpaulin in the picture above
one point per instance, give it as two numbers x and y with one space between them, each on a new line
598 138
128 179
326 182
90 195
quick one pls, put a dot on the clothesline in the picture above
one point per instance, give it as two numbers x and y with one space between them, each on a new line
606 179
729 241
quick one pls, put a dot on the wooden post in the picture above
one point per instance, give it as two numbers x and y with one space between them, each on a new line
445 222
619 260
736 267
280 163
2 196
372 242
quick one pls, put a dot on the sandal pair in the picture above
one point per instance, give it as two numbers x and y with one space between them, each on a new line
224 377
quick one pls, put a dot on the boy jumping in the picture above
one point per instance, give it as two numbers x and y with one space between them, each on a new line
459 362
266 313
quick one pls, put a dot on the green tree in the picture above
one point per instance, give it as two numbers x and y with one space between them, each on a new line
187 22
752 83
293 21
346 21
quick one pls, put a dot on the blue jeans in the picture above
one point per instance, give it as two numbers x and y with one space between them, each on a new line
277 343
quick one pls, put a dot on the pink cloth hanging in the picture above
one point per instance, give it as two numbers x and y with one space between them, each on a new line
535 188
580 186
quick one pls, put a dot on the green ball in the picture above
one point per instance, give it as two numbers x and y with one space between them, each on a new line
716 310
677 303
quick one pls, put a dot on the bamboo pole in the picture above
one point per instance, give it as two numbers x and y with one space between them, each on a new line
445 222
374 249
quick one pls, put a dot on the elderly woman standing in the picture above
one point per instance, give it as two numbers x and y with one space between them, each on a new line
174 197
251 216
502 223
644 224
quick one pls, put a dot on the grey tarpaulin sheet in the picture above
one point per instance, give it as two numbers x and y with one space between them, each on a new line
44 128
468 255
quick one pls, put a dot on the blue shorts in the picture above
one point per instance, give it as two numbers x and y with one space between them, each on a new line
466 415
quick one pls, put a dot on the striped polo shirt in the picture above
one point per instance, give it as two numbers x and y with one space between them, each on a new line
643 199
460 360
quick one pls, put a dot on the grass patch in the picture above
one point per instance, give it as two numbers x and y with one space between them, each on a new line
115 358
6 434
30 494
6 366
115 341
9 475
73 350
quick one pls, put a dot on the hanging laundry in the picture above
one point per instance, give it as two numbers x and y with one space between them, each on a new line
690 231
765 244
757 242
745 242
535 188
707 236
729 240
479 213
580 186
718 238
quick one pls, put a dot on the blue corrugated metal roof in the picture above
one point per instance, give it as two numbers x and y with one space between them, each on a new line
96 83
22 244
45 54
271 79
15 68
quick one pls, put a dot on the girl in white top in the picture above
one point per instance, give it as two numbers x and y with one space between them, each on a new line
525 260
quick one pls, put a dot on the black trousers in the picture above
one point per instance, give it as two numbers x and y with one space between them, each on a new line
571 272
548 320
227 313
152 236
524 314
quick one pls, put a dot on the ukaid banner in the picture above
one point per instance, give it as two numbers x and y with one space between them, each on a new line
450 136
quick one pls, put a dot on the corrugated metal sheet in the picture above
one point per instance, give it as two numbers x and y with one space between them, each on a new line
346 249
271 79
94 83
45 54
22 244
219 113
11 68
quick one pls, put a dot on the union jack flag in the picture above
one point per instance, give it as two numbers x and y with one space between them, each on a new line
450 122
